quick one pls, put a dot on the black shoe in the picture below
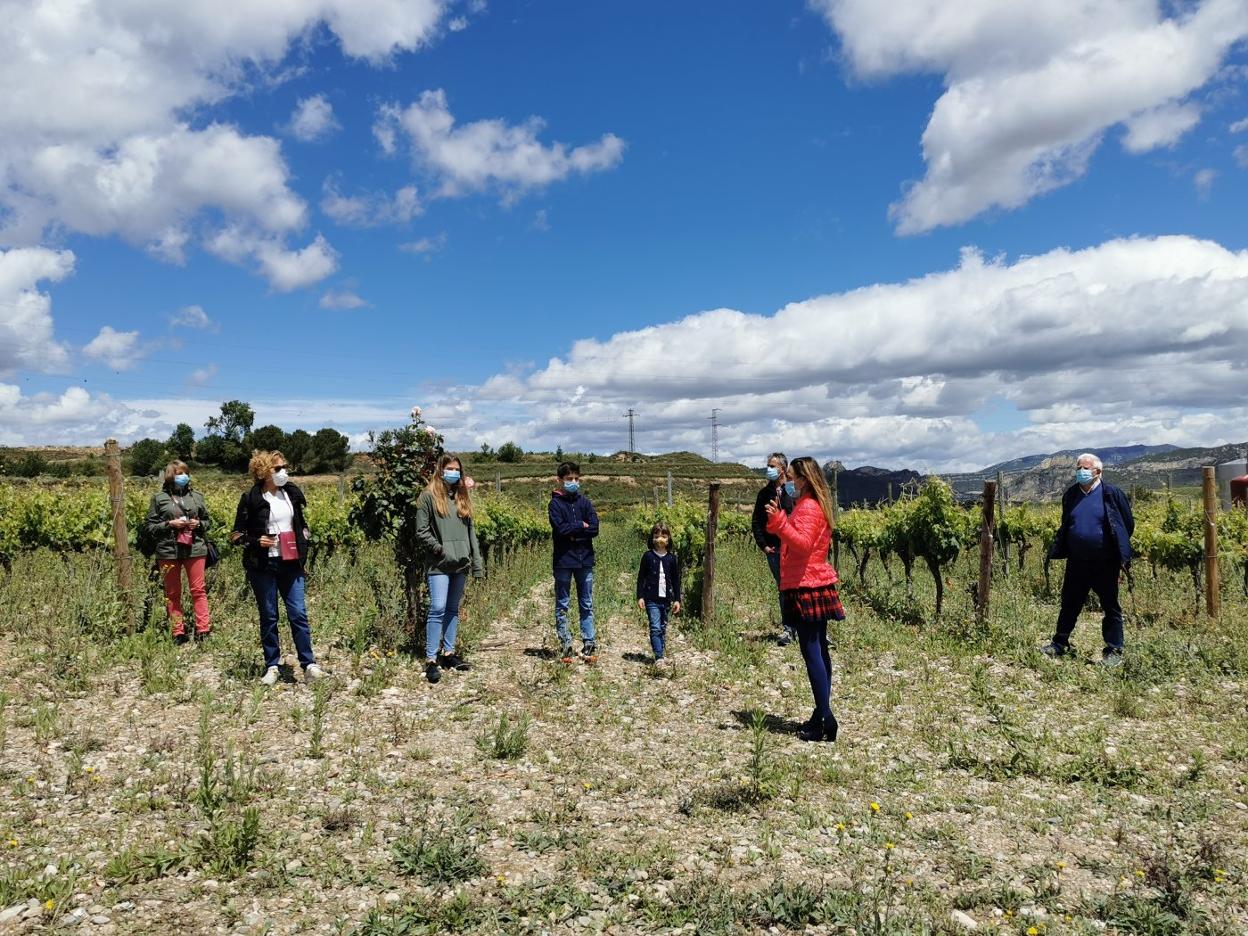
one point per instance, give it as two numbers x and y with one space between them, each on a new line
820 730
1110 659
201 636
589 652
785 638
1055 650
567 654
810 723
432 673
452 661
180 639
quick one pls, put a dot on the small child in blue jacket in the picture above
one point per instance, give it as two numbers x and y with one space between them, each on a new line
658 587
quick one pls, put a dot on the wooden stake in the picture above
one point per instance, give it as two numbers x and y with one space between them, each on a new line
836 520
985 552
708 557
669 489
1212 593
121 536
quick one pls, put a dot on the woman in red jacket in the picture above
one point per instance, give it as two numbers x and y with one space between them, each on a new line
808 583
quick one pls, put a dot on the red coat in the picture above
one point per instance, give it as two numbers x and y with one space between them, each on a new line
804 540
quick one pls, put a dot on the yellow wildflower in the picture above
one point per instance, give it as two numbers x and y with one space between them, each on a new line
840 827
49 904
1032 931
909 816
875 807
1061 866
1139 872
889 846
12 843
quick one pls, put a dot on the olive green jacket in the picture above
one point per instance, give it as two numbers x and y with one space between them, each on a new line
449 543
165 507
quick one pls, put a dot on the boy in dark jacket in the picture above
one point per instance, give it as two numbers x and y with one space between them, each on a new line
658 588
573 524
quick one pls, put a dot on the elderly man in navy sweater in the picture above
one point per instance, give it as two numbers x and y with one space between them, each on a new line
1095 540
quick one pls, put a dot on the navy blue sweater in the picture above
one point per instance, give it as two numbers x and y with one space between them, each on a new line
648 577
1118 524
573 541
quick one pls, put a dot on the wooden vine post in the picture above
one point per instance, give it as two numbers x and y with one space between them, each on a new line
1212 591
985 552
708 558
121 536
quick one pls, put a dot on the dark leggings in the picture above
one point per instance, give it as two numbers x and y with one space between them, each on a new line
813 639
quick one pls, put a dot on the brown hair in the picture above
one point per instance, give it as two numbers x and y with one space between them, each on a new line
655 530
809 471
261 465
172 469
441 491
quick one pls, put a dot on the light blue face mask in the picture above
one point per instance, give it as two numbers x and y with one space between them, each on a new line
790 488
571 487
450 477
182 480
1084 475
773 474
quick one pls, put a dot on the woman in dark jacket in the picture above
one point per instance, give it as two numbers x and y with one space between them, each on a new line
177 521
269 525
446 533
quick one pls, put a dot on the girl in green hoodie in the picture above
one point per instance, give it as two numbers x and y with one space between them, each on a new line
445 530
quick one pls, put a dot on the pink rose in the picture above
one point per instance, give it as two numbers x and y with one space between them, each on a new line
415 413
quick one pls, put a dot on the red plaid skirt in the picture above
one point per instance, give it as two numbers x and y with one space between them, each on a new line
813 605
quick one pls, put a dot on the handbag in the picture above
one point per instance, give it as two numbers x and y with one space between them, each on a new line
213 556
288 546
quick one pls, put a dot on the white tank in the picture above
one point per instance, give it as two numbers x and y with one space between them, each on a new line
1223 474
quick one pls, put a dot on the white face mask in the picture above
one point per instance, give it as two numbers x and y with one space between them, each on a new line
280 478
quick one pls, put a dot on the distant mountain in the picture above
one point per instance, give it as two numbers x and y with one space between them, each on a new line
1113 455
867 484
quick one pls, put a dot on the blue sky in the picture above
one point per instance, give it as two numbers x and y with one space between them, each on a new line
613 176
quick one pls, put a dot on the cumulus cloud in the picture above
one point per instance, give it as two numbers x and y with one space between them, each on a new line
426 245
313 119
896 373
342 299
486 154
193 316
202 375
26 332
119 350
285 269
1030 89
118 154
74 417
1203 180
371 209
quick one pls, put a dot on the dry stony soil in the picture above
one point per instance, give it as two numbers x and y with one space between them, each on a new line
147 788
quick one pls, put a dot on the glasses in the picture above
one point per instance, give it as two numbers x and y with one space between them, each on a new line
279 467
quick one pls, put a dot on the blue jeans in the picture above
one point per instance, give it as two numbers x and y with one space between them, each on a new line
584 599
285 577
445 594
773 563
658 626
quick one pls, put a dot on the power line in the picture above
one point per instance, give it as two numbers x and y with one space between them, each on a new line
632 436
715 434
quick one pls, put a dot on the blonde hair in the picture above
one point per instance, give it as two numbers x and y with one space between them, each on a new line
261 465
172 469
441 491
808 469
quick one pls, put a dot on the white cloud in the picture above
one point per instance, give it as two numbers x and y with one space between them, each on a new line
193 316
487 154
458 24
26 333
202 375
119 350
896 373
1203 180
1030 89
284 269
97 128
313 119
371 209
1239 126
541 220
342 299
426 245
1241 156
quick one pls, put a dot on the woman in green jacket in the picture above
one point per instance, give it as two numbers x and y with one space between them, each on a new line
445 531
178 522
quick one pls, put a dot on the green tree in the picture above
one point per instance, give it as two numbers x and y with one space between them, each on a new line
28 465
331 451
297 447
486 453
146 457
234 423
181 444
386 510
233 428
268 439
510 452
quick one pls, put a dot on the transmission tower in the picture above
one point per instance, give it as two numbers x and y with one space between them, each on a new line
715 435
632 435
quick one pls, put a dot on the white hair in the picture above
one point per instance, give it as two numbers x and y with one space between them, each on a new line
1096 462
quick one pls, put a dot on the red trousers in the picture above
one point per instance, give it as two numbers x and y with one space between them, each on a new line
171 570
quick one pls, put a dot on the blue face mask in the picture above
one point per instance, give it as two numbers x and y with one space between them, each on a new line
790 488
182 480
450 477
571 487
1084 475
773 474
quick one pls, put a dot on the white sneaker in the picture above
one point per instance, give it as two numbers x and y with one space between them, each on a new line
312 673
270 676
